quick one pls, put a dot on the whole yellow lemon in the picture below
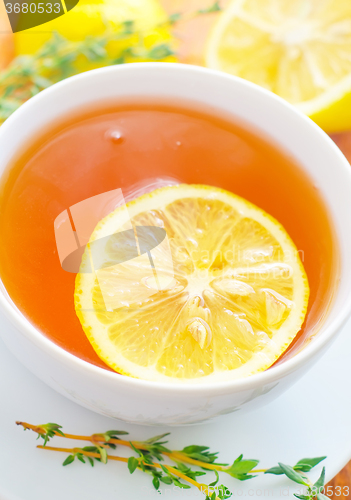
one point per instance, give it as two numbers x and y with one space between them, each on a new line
92 17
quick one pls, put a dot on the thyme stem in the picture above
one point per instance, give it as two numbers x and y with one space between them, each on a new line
176 456
200 456
202 487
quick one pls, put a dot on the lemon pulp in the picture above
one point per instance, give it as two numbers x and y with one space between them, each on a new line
224 297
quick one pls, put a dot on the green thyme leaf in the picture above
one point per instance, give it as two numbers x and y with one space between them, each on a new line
156 483
165 470
189 472
133 464
166 479
68 460
160 51
54 427
306 464
200 457
41 82
156 438
200 453
147 459
275 470
217 479
138 452
240 468
182 467
103 455
320 496
188 450
128 27
215 7
291 474
175 17
303 465
319 483
176 482
111 445
116 433
156 473
51 430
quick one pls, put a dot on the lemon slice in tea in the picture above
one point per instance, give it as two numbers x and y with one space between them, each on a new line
220 297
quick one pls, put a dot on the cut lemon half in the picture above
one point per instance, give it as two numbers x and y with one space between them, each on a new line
220 297
298 49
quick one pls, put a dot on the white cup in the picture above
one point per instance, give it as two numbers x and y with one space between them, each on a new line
141 401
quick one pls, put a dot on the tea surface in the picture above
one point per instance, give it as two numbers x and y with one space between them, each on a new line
116 147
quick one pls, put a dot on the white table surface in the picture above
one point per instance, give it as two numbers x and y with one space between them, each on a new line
312 419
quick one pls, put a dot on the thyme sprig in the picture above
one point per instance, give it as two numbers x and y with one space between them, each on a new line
60 58
149 454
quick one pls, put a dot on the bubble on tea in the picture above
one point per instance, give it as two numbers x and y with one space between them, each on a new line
116 136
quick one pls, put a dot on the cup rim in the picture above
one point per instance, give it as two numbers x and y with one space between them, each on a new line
266 377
